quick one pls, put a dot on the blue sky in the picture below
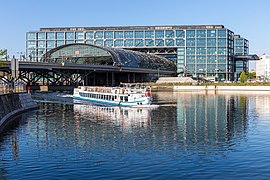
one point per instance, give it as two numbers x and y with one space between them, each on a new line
249 18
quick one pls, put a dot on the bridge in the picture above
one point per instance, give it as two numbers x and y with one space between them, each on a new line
62 68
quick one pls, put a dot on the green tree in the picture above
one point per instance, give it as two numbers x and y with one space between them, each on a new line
252 74
243 77
3 57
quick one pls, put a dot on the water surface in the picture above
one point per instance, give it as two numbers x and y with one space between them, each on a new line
191 135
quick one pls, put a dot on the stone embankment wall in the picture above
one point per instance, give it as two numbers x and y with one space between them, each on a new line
222 88
14 104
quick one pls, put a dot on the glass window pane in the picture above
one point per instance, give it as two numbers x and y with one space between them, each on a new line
108 35
31 44
180 42
129 34
118 43
41 36
222 42
129 43
99 35
201 33
211 59
89 35
50 35
108 43
59 35
201 42
159 42
31 36
211 33
190 42
190 33
139 42
99 42
69 35
149 42
190 50
139 34
222 33
69 41
149 34
211 51
222 51
180 33
79 41
79 35
169 42
201 51
190 59
50 44
159 34
169 34
118 35
41 44
59 43
222 59
201 59
90 42
211 42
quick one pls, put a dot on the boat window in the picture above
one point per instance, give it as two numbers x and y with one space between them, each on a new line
112 97
121 98
126 98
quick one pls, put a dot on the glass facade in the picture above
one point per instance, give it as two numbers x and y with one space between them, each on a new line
198 51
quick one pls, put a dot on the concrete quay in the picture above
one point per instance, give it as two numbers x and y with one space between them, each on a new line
13 104
221 88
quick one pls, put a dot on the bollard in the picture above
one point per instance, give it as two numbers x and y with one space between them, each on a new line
28 90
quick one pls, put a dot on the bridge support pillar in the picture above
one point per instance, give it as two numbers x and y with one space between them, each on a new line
113 80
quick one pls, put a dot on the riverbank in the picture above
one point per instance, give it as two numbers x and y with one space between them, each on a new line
13 104
221 88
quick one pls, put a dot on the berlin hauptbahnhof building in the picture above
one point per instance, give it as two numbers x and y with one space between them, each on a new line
206 51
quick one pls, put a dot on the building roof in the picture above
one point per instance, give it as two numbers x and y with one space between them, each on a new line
92 54
165 27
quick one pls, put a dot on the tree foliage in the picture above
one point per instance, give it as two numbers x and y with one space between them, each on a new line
243 77
3 57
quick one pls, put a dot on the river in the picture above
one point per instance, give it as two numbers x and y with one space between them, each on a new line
189 136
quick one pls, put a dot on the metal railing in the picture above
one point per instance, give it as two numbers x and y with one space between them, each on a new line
7 88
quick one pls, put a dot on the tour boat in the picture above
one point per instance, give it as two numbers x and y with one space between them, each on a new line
128 94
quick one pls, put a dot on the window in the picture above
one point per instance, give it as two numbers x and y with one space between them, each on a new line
201 59
118 43
211 42
222 33
190 33
180 33
108 43
180 42
201 42
139 34
59 35
70 35
118 34
99 35
211 33
139 42
201 51
129 43
99 42
149 34
108 34
222 42
50 35
222 51
159 42
149 42
59 43
169 42
79 35
50 44
90 42
201 33
169 34
190 42
159 34
211 51
129 34
190 50
89 35
41 44
31 44
31 36
211 59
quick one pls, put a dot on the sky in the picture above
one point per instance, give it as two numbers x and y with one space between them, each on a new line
249 18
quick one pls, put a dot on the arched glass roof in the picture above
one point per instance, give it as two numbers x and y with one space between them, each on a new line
91 54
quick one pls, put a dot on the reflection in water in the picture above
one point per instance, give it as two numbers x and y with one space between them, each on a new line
188 136
125 117
211 119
